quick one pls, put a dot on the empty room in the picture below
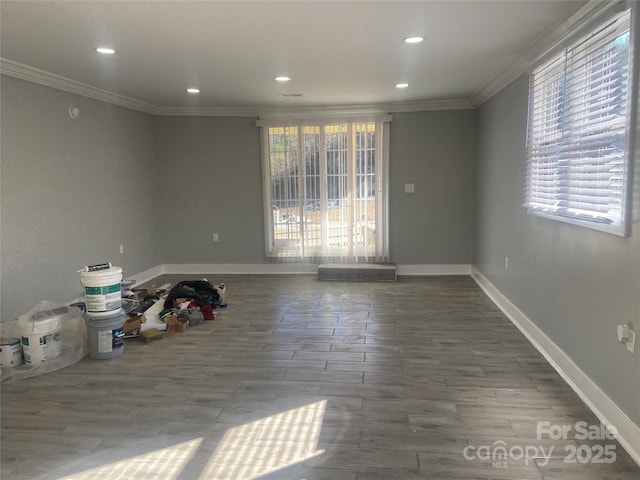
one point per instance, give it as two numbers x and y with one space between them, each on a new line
419 221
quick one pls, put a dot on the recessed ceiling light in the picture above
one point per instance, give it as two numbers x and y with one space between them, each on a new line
193 90
402 85
282 78
413 39
105 50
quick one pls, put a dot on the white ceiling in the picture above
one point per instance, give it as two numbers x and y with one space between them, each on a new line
337 53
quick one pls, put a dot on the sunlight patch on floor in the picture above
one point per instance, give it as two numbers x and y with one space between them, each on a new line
246 452
266 445
165 463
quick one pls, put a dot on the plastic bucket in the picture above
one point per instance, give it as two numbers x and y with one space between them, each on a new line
106 338
10 352
40 338
102 291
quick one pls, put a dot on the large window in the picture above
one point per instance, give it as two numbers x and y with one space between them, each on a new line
577 149
325 190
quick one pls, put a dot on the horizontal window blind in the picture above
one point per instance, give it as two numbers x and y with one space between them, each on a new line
577 152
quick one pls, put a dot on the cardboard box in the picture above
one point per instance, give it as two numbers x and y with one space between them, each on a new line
151 335
132 325
175 324
178 301
142 294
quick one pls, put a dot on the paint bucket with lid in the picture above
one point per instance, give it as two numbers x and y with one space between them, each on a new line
10 352
102 290
40 337
106 338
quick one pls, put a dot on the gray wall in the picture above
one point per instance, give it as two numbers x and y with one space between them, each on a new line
211 181
71 192
576 284
435 151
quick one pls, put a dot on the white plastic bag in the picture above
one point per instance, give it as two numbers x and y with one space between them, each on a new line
52 336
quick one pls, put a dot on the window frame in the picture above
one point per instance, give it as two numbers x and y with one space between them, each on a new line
382 121
571 43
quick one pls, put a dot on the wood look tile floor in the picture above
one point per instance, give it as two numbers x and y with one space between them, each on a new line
301 379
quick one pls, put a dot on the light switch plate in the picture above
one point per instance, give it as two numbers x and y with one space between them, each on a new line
631 342
408 188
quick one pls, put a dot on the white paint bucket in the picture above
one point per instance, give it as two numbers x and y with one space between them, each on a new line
10 352
106 338
40 338
102 291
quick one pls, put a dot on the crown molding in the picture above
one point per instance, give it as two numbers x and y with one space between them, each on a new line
548 40
41 77
367 109
206 112
429 105
309 110
35 75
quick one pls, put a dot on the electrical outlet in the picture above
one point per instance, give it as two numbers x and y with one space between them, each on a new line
631 342
215 237
121 249
506 263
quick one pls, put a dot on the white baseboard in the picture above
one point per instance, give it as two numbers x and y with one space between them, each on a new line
427 270
147 275
597 400
241 268
298 268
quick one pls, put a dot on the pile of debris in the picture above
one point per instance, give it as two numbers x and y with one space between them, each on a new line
153 311
52 336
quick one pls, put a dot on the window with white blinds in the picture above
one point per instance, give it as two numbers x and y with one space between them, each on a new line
325 190
577 145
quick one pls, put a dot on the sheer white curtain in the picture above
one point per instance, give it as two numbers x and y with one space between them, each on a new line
325 190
